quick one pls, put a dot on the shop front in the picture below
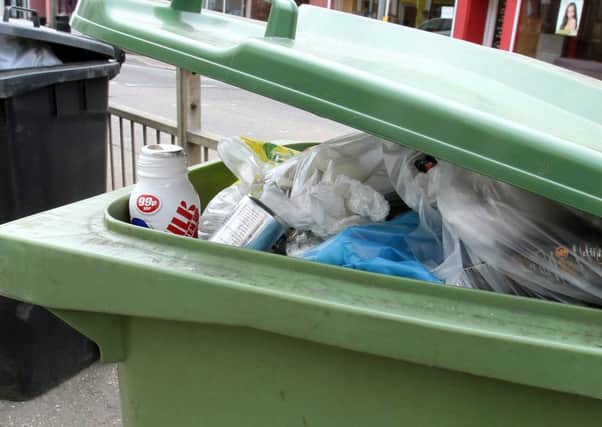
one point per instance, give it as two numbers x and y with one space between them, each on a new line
567 33
431 15
255 9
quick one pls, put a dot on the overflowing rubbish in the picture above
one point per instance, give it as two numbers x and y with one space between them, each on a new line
540 247
497 237
18 52
323 190
164 199
363 203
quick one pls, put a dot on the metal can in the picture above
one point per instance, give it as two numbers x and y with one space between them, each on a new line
164 199
252 225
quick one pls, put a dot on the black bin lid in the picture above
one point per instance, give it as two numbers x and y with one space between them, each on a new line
30 29
83 58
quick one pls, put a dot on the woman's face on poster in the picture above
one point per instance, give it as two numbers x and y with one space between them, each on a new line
571 12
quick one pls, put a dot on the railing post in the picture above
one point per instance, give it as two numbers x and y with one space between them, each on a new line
189 111
51 13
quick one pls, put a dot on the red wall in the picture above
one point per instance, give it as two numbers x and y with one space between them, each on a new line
470 20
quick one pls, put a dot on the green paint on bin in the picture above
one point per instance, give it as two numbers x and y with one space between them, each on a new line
209 335
213 335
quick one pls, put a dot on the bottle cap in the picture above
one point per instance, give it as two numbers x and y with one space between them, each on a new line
161 161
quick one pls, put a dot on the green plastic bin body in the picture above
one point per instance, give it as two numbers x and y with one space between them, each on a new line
210 335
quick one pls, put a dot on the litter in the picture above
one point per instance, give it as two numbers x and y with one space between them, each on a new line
379 248
455 227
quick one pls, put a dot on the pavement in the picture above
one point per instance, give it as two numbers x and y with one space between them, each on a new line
92 397
150 86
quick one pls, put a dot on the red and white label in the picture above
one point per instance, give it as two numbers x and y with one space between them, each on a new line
186 221
148 204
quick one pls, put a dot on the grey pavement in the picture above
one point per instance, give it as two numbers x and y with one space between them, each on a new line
149 85
92 397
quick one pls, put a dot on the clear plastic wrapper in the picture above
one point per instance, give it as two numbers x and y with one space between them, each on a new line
300 242
249 160
540 247
220 209
16 52
494 236
413 177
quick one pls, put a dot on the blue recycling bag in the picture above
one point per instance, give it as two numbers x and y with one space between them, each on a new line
378 248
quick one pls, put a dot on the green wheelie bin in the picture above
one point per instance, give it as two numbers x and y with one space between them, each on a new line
211 335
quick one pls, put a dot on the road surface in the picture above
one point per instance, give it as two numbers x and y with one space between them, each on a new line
150 86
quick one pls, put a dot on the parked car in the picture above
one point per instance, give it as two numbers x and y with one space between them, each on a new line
437 25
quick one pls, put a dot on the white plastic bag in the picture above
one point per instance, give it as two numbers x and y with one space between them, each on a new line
16 52
357 156
322 190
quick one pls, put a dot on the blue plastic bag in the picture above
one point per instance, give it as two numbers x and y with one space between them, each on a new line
378 248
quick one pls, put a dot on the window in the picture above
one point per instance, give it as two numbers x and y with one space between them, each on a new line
563 32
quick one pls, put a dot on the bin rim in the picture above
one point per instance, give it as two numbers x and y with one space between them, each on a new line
97 272
24 80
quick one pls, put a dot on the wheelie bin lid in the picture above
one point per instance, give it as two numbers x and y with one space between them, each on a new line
83 57
519 120
32 30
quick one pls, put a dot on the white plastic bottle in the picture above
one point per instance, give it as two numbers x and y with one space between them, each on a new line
164 199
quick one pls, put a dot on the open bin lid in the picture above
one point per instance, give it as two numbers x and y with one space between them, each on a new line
519 120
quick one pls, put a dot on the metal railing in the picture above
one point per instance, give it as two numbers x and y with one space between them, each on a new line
130 129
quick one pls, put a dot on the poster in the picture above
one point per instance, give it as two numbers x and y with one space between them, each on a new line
569 17
447 12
